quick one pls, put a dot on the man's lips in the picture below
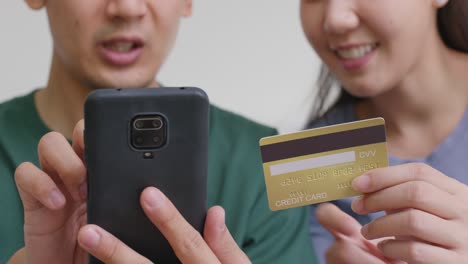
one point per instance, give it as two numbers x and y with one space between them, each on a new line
121 51
122 44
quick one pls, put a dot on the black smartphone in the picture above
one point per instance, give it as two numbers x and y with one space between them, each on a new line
140 137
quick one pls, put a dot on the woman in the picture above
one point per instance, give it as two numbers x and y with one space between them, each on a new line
404 61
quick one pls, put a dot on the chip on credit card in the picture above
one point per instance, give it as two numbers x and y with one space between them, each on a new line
318 165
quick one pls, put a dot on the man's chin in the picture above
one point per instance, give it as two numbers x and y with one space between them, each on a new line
122 84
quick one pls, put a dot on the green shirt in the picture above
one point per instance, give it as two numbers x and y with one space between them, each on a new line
235 181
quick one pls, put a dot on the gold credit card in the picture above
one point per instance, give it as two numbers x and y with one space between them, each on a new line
318 165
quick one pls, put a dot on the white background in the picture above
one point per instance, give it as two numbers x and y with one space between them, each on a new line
250 56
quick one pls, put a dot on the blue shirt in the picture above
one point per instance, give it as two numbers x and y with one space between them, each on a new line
449 158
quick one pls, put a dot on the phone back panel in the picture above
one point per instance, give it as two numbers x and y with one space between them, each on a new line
118 173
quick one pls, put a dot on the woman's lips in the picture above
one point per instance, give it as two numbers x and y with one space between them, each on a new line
354 57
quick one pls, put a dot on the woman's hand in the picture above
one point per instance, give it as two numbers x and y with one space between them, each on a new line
427 213
350 247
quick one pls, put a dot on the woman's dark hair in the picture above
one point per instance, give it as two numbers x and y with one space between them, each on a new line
452 22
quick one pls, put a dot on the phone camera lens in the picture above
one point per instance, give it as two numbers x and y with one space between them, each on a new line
157 123
139 140
139 124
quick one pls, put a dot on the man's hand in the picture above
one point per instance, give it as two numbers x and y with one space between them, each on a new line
54 201
218 246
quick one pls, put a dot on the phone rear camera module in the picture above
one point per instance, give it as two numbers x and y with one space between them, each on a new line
157 123
148 132
148 123
139 124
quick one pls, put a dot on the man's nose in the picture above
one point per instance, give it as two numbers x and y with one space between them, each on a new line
127 9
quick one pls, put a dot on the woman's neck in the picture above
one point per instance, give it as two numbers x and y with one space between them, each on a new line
425 107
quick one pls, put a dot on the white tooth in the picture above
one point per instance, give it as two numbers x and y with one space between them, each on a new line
359 52
356 52
122 46
362 51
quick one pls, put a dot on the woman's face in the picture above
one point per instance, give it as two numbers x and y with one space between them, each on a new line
370 45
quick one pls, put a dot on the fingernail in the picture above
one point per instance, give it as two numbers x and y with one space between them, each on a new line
222 224
358 205
90 238
381 244
364 230
361 183
56 199
84 191
153 198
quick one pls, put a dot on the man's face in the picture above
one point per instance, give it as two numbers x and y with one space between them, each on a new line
113 43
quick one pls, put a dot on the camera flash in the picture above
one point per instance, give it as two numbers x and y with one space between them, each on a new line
148 155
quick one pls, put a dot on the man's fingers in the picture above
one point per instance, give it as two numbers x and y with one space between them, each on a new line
337 222
57 156
78 139
187 243
37 189
106 247
219 238
19 257
78 146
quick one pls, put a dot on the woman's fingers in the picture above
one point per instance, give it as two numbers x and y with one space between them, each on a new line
416 252
415 224
344 251
382 178
337 222
414 194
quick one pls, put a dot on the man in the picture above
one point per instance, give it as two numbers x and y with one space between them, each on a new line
123 43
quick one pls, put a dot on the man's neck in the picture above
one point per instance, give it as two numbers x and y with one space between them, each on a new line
60 104
425 107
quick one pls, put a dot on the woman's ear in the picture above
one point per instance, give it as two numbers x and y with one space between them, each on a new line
36 4
440 3
187 9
